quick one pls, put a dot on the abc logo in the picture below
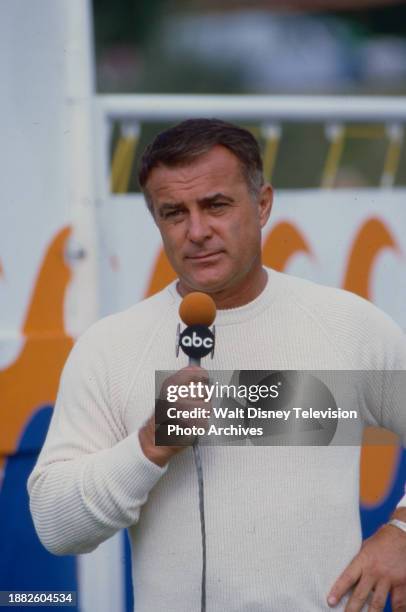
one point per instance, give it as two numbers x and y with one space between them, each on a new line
197 341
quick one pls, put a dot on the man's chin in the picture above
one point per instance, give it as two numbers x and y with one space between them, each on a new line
204 284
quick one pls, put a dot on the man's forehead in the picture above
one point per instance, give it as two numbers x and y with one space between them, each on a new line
216 167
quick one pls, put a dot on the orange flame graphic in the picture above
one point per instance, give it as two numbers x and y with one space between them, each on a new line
283 241
32 380
378 463
371 239
162 274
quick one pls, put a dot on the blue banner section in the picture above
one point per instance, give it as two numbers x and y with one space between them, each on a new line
373 518
129 597
25 565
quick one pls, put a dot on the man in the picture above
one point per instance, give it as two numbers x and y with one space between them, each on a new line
282 523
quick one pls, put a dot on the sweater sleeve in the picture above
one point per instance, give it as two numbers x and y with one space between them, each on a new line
91 478
386 346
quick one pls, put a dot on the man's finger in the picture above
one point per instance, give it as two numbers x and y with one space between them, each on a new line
398 598
348 578
360 594
380 596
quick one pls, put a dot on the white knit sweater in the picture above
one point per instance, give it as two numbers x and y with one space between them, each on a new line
281 522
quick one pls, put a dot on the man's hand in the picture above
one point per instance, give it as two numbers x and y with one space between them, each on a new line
162 454
378 568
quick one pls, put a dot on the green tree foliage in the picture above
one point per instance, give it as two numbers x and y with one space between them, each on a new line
125 21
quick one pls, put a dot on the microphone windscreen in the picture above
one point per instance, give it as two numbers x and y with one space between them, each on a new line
197 308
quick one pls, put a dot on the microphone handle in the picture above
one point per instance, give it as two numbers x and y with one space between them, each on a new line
194 361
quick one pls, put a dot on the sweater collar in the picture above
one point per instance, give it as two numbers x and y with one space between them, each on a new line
230 316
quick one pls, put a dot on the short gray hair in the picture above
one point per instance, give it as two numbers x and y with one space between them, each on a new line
181 144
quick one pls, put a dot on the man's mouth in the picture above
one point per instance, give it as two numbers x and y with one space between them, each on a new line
203 256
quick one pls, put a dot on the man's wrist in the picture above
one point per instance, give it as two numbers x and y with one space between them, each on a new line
159 455
398 519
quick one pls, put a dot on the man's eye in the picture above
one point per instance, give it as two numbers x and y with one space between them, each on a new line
172 214
217 205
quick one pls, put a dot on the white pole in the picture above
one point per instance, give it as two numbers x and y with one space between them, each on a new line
101 575
82 304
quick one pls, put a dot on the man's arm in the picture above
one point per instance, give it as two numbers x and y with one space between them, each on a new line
91 478
377 570
380 566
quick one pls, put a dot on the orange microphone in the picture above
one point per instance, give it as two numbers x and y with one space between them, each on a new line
197 308
197 311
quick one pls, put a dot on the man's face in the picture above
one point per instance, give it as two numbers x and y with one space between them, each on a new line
209 222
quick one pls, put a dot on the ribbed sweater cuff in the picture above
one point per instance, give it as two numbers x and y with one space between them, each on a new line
134 470
119 480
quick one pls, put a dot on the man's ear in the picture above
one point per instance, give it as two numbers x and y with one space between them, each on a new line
265 203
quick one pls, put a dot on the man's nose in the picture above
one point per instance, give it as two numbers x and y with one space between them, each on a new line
198 227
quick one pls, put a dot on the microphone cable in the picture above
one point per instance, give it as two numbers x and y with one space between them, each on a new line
199 470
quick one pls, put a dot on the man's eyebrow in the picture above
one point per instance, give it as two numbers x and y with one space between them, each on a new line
168 206
213 198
